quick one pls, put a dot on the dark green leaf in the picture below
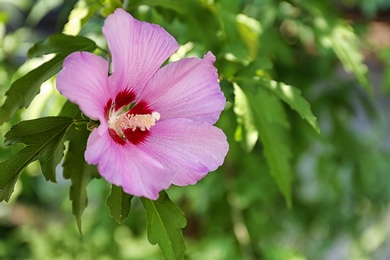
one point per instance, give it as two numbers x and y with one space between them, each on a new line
119 204
44 136
61 43
293 97
257 67
11 168
270 120
24 89
63 16
164 223
70 109
78 171
36 131
227 89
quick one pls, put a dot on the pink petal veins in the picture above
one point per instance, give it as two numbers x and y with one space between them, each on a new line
83 80
189 149
138 50
187 88
127 166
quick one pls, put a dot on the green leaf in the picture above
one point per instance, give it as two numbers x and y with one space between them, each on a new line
61 43
24 89
175 5
344 43
78 171
250 86
63 16
292 96
164 223
270 120
119 204
45 137
11 168
338 35
70 109
110 6
250 30
247 132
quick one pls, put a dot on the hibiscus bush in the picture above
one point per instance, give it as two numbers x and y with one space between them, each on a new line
194 129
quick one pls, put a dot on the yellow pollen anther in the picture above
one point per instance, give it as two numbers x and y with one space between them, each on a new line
129 121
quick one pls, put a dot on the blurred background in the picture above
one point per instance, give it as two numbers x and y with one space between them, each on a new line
336 52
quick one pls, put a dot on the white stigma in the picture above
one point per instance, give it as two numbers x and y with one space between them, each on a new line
129 121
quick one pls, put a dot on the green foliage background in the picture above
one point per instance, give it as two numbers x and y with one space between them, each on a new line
307 174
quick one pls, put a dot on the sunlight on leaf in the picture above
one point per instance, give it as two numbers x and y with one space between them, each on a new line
344 42
273 134
75 20
24 89
340 36
293 97
250 30
246 131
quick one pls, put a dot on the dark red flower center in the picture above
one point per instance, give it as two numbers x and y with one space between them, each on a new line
129 121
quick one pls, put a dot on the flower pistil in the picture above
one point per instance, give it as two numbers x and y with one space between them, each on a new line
125 121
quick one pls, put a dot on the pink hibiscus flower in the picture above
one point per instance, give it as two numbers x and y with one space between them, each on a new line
156 124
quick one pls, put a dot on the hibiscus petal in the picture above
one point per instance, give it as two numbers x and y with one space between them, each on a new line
127 166
138 50
187 88
83 80
190 149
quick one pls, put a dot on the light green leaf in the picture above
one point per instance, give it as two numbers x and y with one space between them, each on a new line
246 132
270 120
119 204
175 5
44 139
344 43
339 36
164 223
45 136
78 171
24 89
110 6
292 96
250 30
250 86
61 43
